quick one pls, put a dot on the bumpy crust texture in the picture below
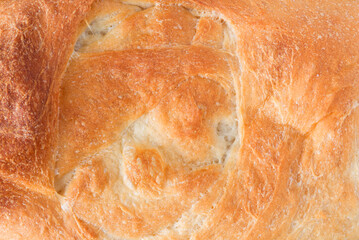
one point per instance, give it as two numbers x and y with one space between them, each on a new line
180 119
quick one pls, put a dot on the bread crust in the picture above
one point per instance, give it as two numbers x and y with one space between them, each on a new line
181 119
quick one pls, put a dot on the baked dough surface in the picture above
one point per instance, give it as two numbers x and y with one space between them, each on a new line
187 119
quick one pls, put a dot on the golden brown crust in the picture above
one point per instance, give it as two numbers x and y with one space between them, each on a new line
181 119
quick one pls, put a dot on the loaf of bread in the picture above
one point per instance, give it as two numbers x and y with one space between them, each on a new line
179 119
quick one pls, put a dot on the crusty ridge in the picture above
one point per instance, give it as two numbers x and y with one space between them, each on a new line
33 55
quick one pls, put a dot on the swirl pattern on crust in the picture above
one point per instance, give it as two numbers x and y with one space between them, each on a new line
147 117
